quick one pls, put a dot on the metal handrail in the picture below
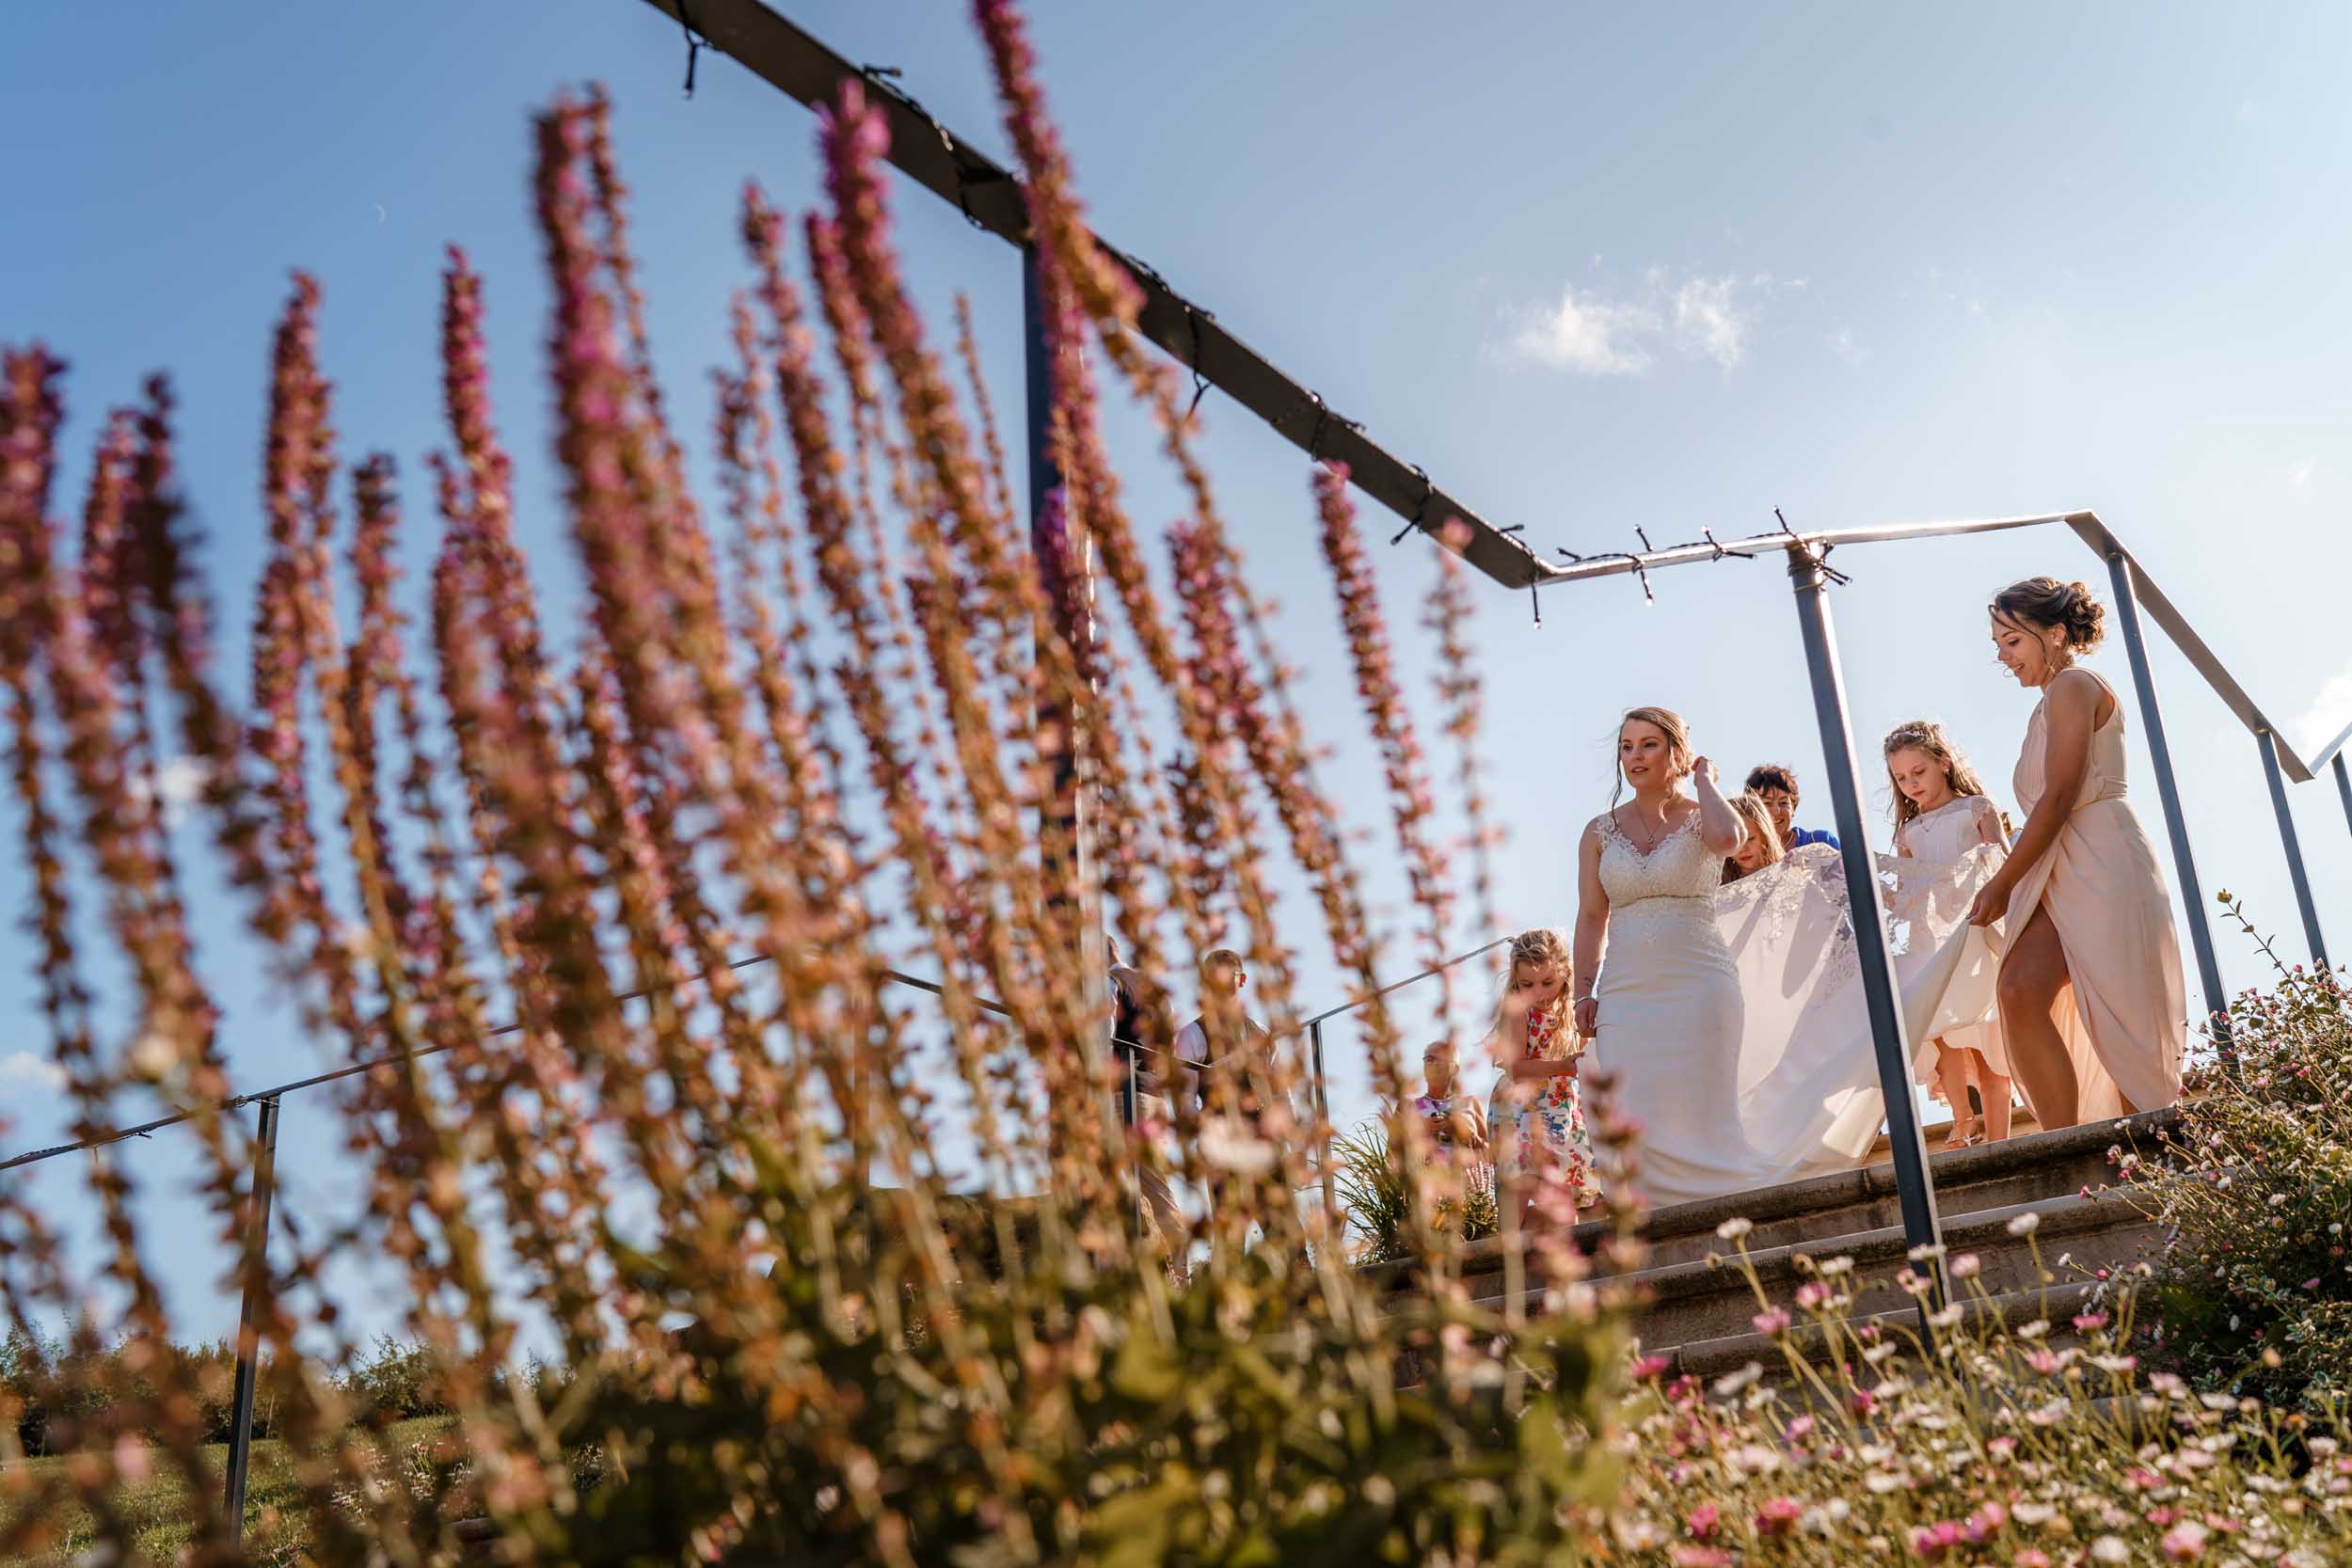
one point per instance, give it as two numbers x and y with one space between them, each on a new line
1397 985
254 1096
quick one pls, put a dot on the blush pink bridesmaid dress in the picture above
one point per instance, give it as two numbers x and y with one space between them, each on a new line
2124 1016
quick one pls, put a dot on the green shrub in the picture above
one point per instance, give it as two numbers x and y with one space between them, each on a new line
1373 1188
2254 1288
1238 1420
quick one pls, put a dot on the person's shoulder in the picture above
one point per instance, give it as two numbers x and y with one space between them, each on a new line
2077 688
1815 835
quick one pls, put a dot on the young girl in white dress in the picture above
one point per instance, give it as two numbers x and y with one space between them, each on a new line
1948 832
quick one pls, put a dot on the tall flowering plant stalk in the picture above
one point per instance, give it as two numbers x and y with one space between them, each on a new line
839 1270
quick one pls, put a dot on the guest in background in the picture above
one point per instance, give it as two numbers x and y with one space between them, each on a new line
1775 785
1140 1023
1230 1060
1762 847
1216 1047
1455 1121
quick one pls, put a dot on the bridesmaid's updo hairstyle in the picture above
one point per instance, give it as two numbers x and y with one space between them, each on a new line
2048 604
1668 724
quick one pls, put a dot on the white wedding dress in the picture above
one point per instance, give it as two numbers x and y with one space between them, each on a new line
1733 1018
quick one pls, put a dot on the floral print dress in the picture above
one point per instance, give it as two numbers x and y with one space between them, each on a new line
1549 1113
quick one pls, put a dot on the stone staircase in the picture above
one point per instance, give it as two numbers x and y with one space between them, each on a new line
1700 1315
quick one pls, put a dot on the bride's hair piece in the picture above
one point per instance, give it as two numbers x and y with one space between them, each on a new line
1670 725
1541 949
1925 735
1758 819
2045 602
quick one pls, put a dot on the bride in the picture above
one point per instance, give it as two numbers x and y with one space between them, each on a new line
1731 1017
1666 1014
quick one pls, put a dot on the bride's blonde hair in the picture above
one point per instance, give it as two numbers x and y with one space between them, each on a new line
1542 948
1925 735
1669 724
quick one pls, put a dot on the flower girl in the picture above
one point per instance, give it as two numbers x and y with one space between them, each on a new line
1945 824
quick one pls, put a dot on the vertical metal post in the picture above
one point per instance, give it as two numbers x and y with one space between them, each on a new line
1322 1114
2168 793
1067 831
2269 744
248 1319
2344 787
1915 1189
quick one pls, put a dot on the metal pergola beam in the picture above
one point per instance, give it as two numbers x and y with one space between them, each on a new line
2101 541
786 56
2333 751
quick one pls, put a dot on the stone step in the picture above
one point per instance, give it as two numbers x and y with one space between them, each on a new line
2038 1167
1700 1299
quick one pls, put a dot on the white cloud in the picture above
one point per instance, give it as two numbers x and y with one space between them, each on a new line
2300 474
1589 333
1841 344
179 784
23 1066
2328 713
1711 318
1585 333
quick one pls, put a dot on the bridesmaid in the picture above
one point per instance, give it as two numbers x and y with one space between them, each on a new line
2092 997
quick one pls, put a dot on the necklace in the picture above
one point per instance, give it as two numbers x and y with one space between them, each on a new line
1659 837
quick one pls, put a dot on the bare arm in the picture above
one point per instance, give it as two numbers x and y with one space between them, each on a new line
1591 927
1471 1120
1720 827
1530 1069
2073 715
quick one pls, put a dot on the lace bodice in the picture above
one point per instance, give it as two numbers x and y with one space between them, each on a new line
1681 866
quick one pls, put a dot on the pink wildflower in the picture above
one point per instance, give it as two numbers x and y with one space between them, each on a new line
2185 1541
1933 1540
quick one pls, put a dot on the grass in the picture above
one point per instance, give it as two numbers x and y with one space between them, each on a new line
276 1524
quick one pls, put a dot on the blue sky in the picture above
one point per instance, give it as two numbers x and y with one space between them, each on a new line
1594 268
